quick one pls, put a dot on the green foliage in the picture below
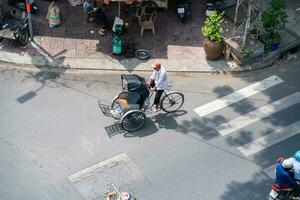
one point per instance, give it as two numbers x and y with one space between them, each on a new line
246 52
275 16
212 28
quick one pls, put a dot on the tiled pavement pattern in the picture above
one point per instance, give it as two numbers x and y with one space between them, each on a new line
73 38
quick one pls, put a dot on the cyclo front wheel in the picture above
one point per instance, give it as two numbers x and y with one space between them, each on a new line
172 101
133 120
115 104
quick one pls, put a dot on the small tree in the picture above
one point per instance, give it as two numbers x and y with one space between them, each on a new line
274 18
212 28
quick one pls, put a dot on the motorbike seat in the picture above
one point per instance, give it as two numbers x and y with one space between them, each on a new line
278 188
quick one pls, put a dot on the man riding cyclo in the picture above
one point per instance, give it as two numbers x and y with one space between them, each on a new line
158 83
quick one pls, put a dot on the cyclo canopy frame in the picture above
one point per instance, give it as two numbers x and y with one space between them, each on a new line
133 83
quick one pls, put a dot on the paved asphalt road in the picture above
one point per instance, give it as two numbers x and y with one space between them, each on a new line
51 128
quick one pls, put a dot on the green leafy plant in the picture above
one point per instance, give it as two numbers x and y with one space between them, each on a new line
212 28
274 17
246 52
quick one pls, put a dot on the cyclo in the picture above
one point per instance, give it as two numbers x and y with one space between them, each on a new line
130 106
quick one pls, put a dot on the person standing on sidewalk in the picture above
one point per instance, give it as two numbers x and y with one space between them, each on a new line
158 82
94 11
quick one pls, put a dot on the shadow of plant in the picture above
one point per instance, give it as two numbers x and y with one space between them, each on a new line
201 126
241 107
255 189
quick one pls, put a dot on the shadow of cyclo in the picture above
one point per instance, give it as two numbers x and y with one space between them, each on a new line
163 121
117 129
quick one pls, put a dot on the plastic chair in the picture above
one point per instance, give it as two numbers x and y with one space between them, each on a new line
147 8
148 21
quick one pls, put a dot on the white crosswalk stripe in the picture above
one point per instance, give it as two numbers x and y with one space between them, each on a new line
261 143
270 171
270 139
238 95
259 114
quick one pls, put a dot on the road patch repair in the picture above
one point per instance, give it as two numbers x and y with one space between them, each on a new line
91 183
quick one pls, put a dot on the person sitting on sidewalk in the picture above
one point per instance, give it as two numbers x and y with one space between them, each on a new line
95 12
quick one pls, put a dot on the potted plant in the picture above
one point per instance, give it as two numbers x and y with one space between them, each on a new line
213 33
273 19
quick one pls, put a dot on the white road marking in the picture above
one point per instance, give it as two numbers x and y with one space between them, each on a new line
270 171
270 139
238 95
258 114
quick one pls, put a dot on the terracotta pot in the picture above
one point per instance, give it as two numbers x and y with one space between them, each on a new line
213 49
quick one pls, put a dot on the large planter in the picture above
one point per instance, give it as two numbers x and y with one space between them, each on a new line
213 49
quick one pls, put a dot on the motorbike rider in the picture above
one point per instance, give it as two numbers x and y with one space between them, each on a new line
284 177
296 163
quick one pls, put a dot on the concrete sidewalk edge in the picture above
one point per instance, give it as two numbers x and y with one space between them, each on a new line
198 64
133 64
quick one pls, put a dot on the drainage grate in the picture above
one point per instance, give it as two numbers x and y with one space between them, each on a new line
91 182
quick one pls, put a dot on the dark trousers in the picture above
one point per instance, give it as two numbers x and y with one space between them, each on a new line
158 96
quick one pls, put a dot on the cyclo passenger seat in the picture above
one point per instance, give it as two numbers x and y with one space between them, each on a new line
278 188
128 101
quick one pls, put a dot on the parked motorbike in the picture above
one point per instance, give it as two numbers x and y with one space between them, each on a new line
14 27
21 4
183 9
213 5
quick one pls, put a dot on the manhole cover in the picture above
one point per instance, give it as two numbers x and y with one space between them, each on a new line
91 182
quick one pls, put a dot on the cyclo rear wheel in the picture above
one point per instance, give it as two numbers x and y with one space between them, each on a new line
133 120
172 101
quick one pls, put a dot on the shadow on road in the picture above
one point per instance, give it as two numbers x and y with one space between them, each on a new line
163 121
252 189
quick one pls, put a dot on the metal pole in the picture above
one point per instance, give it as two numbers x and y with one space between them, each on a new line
28 10
236 16
248 21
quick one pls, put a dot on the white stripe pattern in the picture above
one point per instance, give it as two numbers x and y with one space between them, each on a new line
270 139
238 95
259 114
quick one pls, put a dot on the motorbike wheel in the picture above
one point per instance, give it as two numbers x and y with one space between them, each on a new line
23 37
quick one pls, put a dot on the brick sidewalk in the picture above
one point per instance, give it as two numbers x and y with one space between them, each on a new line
73 38
76 44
